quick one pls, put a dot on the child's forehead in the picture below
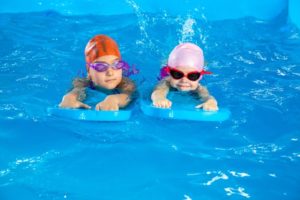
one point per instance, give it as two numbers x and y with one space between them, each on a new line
186 68
107 59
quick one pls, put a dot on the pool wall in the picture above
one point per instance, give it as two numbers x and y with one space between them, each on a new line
211 9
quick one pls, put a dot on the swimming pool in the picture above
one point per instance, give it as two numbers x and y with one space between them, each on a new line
253 155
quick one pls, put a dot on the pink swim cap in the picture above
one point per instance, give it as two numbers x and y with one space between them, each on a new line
186 55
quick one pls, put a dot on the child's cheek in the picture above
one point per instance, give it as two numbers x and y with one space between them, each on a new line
98 79
194 85
173 82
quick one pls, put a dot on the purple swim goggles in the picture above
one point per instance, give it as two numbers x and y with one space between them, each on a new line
103 66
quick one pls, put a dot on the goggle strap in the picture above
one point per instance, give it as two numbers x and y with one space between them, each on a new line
203 72
164 72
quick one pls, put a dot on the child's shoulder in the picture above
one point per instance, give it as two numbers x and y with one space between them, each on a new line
126 85
81 82
126 80
165 82
201 87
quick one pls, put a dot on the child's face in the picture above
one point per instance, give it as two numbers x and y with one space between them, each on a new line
108 79
184 84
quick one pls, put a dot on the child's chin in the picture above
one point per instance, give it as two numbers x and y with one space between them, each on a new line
184 89
110 87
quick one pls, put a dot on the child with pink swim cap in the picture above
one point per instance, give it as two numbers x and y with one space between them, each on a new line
183 72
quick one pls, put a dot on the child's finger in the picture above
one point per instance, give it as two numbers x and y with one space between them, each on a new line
199 106
157 104
214 109
154 104
114 108
164 105
210 108
82 105
167 104
98 106
206 109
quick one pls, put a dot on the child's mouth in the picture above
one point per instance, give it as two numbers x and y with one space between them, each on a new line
109 80
183 86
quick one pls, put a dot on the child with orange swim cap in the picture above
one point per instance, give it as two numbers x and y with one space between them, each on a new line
183 73
105 73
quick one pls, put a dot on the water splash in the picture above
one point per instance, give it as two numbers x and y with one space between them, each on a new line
143 24
194 27
220 176
239 191
188 32
186 197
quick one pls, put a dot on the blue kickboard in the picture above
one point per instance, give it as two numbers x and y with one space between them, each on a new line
93 97
90 115
182 110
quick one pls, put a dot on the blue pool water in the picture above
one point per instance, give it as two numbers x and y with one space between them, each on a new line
253 155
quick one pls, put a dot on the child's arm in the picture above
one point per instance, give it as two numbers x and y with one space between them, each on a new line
116 101
209 102
159 94
74 98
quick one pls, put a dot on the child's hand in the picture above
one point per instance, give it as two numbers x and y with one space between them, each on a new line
209 105
111 102
70 101
162 103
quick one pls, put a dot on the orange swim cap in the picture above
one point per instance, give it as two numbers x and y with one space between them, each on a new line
100 45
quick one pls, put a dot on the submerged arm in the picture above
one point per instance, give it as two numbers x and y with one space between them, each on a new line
209 102
127 88
159 94
115 101
74 98
203 93
161 90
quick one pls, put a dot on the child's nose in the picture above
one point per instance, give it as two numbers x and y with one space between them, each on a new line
184 79
109 71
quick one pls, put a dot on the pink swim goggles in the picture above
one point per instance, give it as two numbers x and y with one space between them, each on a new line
177 74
